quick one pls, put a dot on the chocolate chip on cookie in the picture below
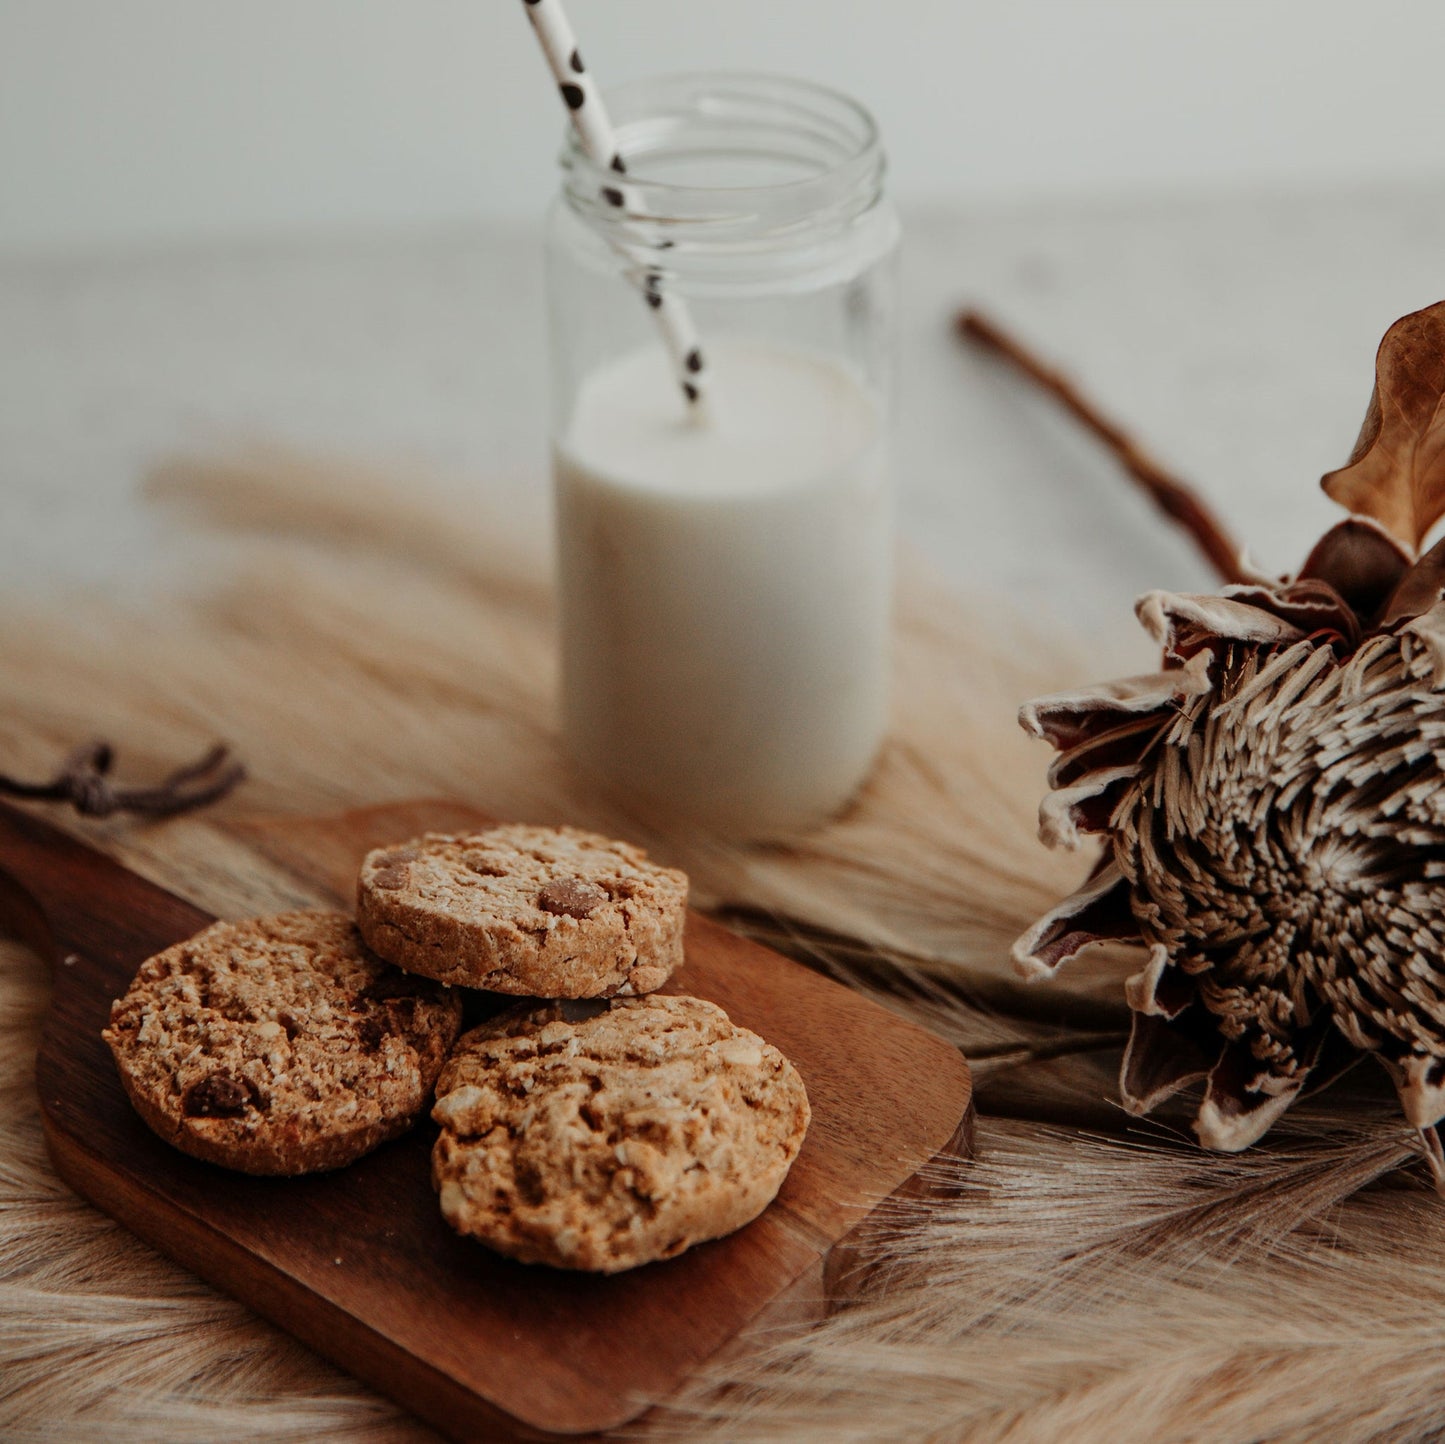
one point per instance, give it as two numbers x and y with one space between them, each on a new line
570 897
220 1095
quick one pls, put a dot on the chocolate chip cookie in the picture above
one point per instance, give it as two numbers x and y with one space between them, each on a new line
605 1135
279 1045
539 911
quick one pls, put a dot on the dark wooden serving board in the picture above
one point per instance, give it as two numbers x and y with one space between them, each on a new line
359 1264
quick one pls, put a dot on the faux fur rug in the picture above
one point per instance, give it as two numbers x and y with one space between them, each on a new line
1087 1277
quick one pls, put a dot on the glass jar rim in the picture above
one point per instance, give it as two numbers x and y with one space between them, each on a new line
825 145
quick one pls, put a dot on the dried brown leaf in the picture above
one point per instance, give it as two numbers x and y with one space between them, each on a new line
1396 473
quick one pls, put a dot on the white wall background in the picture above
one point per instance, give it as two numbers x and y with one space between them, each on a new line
140 121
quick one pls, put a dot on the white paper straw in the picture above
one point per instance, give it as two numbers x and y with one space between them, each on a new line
599 142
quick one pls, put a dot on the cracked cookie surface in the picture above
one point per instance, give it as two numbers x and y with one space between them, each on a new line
279 1045
545 912
604 1135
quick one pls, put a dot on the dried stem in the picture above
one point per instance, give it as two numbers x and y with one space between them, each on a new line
1173 497
84 782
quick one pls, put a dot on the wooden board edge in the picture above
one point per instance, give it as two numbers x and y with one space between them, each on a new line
351 1345
23 919
820 1291
337 1336
847 1265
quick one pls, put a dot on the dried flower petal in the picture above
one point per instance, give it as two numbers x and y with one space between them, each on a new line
1098 912
1396 473
1066 719
1311 605
1161 1059
1187 625
1088 806
1418 589
1421 1081
1361 561
1149 990
1241 1101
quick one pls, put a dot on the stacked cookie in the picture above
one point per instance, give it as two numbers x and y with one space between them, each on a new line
538 911
603 1128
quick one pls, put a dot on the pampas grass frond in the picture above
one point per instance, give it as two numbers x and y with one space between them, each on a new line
1087 1277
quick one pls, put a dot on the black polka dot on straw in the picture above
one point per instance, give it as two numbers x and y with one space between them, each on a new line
598 143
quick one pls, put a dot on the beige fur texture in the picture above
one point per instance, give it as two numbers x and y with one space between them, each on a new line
1089 1277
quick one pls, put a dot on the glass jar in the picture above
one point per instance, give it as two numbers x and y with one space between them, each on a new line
725 579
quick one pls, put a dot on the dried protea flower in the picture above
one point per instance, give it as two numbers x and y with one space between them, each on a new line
1272 802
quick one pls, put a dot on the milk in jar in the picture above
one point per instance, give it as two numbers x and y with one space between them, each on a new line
725 581
725 586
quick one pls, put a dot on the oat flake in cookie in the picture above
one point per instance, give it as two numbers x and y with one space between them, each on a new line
605 1135
546 912
279 1045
